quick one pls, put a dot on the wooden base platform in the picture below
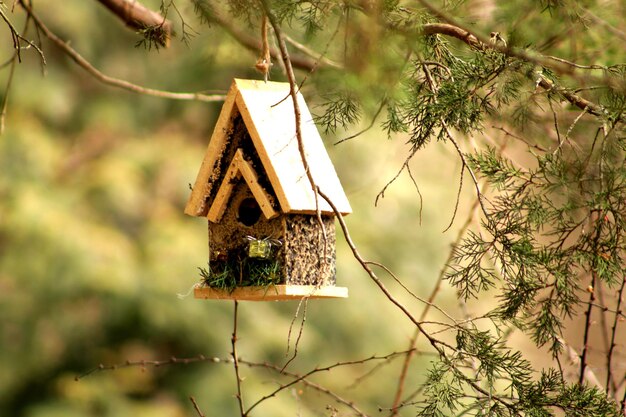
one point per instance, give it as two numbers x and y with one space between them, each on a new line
271 293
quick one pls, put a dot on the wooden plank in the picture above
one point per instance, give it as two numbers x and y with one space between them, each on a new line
196 205
269 115
224 192
252 179
239 167
271 293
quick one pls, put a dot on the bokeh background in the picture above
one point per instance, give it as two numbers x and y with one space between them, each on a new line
95 248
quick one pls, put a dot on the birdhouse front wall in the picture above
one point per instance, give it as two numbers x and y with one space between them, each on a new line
251 250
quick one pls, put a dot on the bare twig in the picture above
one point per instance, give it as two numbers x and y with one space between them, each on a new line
420 299
405 166
604 328
115 82
233 340
309 383
17 38
196 407
609 364
13 64
304 301
457 201
583 355
156 364
313 54
521 139
360 132
316 370
575 65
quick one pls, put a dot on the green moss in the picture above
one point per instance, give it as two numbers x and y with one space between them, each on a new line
228 275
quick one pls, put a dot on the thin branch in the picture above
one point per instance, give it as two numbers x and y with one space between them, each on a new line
359 133
300 378
13 61
457 200
115 82
453 30
604 328
428 303
583 355
18 38
156 364
573 98
304 301
319 57
233 340
365 265
308 383
611 352
575 65
405 165
479 193
531 145
196 407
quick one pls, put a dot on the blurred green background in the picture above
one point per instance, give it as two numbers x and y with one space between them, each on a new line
94 245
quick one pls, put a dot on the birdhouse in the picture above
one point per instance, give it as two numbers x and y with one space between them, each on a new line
270 236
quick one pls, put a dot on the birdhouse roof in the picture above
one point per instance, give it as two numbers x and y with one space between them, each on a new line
268 113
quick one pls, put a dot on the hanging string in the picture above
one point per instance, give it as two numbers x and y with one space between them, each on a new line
264 63
187 294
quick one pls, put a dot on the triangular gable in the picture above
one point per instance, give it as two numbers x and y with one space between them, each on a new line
238 168
267 111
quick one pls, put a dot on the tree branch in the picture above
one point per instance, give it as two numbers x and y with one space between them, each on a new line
543 82
115 82
236 362
196 407
139 17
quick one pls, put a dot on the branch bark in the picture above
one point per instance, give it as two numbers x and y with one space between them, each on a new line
137 16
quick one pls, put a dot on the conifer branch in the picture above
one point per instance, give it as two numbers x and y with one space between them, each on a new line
455 30
542 81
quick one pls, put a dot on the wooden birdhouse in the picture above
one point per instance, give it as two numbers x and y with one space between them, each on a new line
266 241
